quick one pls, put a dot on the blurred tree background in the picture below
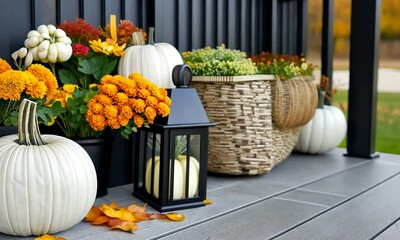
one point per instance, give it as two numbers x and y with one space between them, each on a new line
390 28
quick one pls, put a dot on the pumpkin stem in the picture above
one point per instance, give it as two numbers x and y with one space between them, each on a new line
28 127
138 39
151 35
321 99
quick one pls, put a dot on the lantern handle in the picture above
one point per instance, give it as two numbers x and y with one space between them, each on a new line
182 75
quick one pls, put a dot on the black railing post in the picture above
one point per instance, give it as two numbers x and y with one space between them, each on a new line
364 51
327 41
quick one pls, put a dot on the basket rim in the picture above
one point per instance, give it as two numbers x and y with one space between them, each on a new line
241 78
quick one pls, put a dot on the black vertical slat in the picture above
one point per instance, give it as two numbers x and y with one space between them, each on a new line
245 26
123 9
269 26
112 7
45 12
302 29
149 7
67 10
222 18
187 166
254 27
233 24
184 20
290 47
93 11
33 13
81 9
211 23
327 41
364 53
5 39
198 29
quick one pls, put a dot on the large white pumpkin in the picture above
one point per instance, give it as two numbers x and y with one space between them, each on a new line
324 132
46 187
155 61
179 176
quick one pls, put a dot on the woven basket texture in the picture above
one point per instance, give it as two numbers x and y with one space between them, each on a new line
294 102
245 140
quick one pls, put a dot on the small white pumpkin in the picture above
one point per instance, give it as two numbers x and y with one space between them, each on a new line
324 132
48 183
155 61
179 176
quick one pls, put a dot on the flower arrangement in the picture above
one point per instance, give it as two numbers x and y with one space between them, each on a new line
126 104
36 83
219 61
95 54
283 66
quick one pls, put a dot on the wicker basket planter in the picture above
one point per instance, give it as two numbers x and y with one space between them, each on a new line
245 140
294 102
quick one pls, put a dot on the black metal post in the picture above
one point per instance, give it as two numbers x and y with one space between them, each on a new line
302 23
327 41
364 51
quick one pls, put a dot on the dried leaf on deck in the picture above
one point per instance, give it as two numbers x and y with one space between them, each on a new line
126 226
49 237
207 201
175 217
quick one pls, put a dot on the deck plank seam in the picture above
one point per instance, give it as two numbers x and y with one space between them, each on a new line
254 202
385 228
321 192
330 208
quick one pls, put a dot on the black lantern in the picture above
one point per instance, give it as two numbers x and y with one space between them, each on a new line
170 167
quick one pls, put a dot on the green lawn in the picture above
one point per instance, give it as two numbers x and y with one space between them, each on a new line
388 120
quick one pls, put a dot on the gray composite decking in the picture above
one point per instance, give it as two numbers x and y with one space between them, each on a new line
327 196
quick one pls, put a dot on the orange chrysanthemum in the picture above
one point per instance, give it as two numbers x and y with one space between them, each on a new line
45 75
138 120
109 89
12 84
4 66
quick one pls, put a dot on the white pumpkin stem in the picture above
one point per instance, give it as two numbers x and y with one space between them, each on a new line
28 127
138 39
151 35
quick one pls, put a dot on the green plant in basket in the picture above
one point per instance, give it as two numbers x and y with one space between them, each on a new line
219 61
283 66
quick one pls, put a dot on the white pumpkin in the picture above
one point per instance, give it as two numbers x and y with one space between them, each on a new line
324 132
48 183
154 61
179 177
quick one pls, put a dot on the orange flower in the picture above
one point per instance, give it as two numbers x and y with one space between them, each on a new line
110 111
138 120
109 89
97 122
4 66
12 84
121 98
138 105
163 109
150 113
45 75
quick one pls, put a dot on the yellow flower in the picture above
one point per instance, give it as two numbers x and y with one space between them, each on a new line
69 88
12 84
119 50
4 66
36 89
44 74
101 47
93 85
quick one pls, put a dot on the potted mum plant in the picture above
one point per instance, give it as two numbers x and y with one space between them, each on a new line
295 94
35 82
91 99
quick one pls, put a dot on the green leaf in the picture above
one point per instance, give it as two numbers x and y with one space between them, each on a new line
98 66
67 77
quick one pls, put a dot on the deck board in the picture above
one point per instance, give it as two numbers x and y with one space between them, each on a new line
359 218
302 193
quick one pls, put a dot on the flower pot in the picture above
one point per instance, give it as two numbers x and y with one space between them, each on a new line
99 150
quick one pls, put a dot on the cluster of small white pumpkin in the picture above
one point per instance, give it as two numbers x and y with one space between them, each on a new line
48 44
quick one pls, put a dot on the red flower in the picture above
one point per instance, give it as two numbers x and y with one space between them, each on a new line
80 50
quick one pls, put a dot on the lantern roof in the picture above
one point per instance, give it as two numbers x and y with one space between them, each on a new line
186 108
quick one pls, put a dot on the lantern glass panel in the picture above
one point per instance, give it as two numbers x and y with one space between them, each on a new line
152 158
186 151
